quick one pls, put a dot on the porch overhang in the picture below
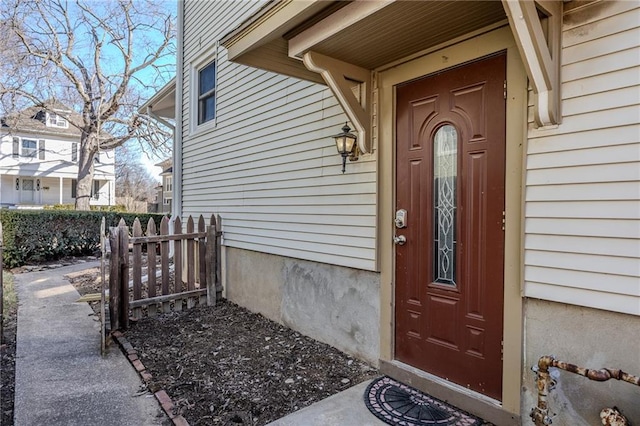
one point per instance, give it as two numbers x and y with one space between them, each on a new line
259 41
339 43
163 103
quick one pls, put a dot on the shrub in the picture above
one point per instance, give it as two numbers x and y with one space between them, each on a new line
117 208
36 236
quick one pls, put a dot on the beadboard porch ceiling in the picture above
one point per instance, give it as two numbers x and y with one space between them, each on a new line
371 38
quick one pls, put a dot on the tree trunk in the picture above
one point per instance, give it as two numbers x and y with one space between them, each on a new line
88 149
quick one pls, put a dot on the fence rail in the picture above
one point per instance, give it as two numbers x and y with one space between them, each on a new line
185 274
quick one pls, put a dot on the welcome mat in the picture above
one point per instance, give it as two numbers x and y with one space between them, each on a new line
398 404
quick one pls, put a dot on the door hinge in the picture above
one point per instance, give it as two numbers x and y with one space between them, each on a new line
504 219
505 89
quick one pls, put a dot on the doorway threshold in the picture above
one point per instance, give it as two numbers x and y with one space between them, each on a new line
463 398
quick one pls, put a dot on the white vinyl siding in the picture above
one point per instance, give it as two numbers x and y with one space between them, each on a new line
270 167
582 224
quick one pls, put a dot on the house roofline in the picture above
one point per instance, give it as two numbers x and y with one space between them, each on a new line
266 8
67 137
165 92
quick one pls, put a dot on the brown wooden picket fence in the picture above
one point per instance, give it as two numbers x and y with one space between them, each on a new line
190 277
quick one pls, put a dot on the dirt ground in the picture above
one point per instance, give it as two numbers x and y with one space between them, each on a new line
221 365
7 367
224 365
227 366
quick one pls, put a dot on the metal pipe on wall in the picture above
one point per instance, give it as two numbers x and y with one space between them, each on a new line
541 414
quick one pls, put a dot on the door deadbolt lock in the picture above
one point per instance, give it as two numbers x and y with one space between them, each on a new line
399 240
401 218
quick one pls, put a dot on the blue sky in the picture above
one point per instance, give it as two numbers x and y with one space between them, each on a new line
151 74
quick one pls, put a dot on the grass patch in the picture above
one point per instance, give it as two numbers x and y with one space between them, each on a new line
9 296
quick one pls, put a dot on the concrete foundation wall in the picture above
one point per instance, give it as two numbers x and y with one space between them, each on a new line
590 338
336 305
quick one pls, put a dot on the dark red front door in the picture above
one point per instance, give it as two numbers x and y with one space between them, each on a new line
450 173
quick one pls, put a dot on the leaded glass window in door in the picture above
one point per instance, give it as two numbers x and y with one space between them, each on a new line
445 171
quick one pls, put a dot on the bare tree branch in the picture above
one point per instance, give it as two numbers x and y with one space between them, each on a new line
91 56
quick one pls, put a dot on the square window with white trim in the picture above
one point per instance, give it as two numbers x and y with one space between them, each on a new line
29 148
202 91
55 120
207 93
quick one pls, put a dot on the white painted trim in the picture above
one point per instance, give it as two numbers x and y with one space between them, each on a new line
267 24
208 56
176 207
541 61
336 73
159 119
166 91
333 24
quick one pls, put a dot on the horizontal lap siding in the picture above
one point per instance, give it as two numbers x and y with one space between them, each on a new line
582 225
269 167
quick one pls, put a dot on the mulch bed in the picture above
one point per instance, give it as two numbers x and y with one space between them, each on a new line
224 365
221 365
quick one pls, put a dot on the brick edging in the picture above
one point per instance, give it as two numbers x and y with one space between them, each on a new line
161 396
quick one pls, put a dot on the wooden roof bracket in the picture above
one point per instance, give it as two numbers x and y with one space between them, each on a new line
341 77
541 54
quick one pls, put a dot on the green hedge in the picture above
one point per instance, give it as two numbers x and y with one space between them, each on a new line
117 208
36 236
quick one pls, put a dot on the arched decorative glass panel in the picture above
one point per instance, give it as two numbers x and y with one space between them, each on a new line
445 171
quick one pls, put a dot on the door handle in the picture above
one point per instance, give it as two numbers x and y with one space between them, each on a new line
399 240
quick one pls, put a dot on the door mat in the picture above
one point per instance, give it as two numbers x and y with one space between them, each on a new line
398 404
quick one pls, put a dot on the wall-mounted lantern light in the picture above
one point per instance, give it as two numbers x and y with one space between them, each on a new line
346 145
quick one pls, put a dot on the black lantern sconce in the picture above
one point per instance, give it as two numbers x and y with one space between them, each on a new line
346 145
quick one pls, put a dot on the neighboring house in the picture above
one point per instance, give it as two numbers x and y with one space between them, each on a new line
493 214
162 107
165 191
39 152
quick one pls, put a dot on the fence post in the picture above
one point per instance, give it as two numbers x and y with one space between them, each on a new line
137 268
191 262
151 266
124 274
202 261
211 262
103 251
164 262
114 278
218 257
177 262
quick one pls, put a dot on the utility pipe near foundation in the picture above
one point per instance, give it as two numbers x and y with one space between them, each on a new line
541 415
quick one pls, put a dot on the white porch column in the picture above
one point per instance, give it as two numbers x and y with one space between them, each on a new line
60 179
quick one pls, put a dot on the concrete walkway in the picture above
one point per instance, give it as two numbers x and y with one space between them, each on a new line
61 378
344 408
